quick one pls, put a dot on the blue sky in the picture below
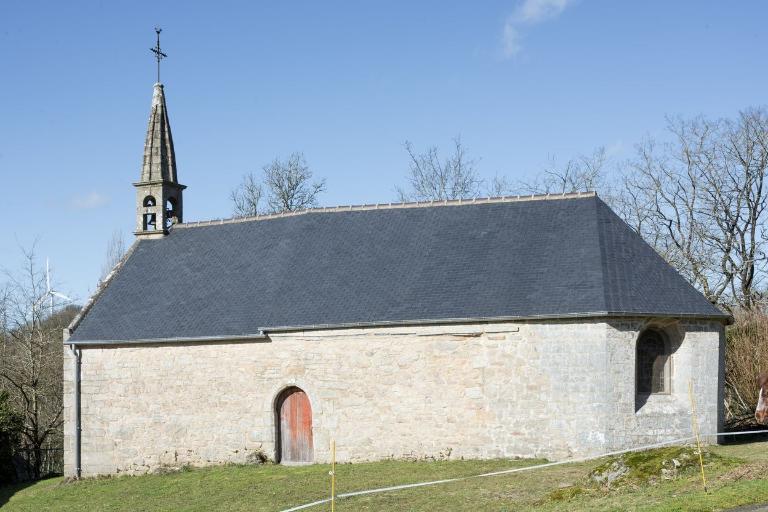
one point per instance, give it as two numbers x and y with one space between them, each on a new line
346 83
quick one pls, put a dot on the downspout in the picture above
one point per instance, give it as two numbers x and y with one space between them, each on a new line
78 354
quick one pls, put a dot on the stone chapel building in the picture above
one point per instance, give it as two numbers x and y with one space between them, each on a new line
518 326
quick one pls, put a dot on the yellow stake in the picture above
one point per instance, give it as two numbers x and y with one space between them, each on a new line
695 427
333 475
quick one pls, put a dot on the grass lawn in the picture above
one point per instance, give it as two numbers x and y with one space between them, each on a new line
737 475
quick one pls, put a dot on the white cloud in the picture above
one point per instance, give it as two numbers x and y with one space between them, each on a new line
536 11
527 13
89 201
511 40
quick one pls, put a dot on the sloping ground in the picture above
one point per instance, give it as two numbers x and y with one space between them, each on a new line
666 479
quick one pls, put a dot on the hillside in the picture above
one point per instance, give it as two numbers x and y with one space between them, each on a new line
665 479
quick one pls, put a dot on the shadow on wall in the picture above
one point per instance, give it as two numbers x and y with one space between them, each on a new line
654 351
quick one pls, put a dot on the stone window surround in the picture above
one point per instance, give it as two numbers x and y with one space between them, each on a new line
654 403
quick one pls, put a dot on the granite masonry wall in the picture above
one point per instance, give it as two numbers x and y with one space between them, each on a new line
530 389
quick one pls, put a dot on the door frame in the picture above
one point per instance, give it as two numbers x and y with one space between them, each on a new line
279 399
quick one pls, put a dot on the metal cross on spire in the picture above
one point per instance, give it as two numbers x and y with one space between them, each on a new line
159 55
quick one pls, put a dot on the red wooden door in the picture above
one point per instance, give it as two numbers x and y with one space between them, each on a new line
295 427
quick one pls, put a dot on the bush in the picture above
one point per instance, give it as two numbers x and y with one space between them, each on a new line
746 355
11 424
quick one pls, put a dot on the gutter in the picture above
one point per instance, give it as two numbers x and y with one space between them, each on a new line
78 355
261 336
723 317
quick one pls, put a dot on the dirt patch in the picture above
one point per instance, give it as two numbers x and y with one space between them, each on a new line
745 472
566 493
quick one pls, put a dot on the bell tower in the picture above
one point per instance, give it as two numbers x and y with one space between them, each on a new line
158 193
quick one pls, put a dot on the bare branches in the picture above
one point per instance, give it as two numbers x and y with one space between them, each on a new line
746 356
499 186
581 174
115 252
31 364
746 164
700 201
432 178
289 187
246 198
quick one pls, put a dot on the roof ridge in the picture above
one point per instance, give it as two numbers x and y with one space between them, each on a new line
391 206
603 255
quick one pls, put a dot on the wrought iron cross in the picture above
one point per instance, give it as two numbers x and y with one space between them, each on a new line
159 55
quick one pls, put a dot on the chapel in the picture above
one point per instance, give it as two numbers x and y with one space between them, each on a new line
538 326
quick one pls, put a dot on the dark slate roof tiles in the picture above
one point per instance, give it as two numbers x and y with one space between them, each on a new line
513 259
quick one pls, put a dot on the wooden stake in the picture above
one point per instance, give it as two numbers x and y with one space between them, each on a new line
333 475
695 428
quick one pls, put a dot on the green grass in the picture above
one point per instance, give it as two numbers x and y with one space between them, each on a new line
737 475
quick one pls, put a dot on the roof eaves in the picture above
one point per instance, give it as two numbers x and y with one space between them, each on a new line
723 317
179 340
263 335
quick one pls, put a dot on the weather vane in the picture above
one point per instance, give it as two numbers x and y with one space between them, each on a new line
159 55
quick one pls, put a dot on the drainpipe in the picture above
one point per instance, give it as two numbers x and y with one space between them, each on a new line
78 354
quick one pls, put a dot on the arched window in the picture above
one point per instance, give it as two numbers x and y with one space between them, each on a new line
652 363
170 206
170 212
149 222
149 218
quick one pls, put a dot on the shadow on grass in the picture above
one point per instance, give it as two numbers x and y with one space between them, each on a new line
8 490
746 438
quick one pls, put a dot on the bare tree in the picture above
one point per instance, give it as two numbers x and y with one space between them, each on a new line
581 174
746 166
115 252
499 186
31 367
289 187
246 198
700 201
434 178
667 201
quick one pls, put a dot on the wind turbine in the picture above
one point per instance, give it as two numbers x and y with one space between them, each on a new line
50 293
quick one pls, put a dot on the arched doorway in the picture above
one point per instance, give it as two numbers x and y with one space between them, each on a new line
294 426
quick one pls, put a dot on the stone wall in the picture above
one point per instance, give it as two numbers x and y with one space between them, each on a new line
529 389
698 357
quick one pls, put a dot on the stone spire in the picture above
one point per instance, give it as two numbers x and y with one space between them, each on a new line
159 157
158 198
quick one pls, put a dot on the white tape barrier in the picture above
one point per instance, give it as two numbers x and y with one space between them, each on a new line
516 470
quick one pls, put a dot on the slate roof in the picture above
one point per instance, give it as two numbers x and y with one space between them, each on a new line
567 257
